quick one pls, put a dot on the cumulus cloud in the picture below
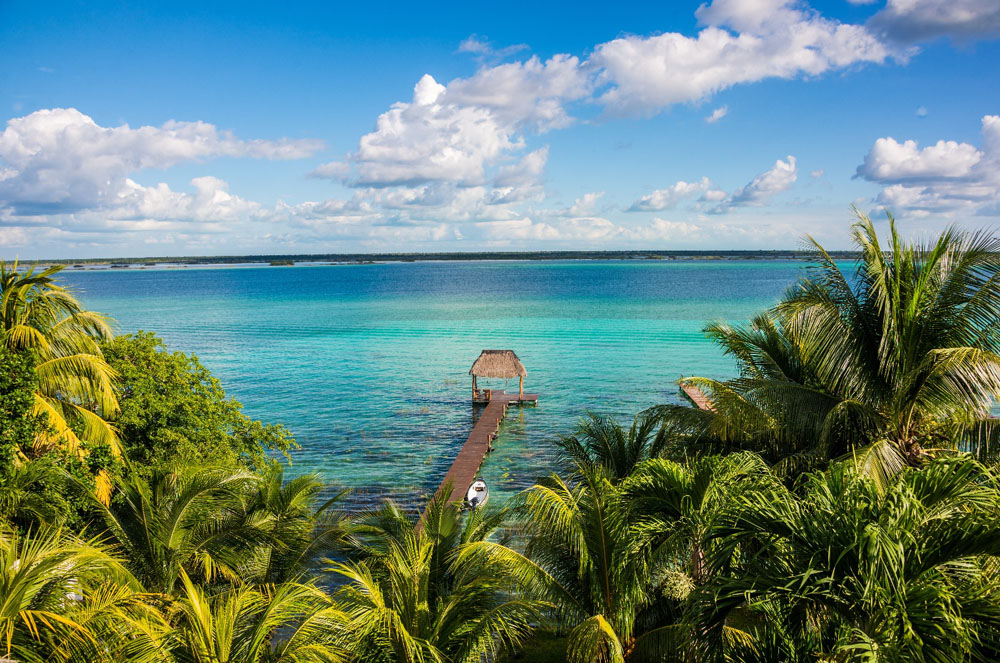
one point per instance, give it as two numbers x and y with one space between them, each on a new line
717 114
946 177
662 199
526 171
460 131
211 202
743 42
517 230
528 95
584 205
464 152
762 188
61 160
912 21
892 161
464 131
429 139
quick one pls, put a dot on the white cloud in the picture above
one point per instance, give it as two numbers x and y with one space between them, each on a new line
525 172
457 133
589 229
660 230
211 202
334 170
921 112
61 160
713 196
662 199
461 132
429 140
717 114
584 205
743 42
461 159
911 21
483 48
817 173
891 161
762 188
946 177
528 95
517 230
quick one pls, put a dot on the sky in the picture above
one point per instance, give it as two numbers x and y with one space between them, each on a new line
169 129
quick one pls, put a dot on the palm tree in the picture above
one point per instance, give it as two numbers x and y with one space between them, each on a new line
892 363
675 506
75 385
65 599
584 558
186 520
619 557
411 595
600 440
844 570
286 623
298 531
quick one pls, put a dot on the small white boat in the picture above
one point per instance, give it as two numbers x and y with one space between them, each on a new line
478 494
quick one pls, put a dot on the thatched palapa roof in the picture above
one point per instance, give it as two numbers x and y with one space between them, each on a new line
498 364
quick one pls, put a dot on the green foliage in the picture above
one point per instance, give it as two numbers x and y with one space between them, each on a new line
601 441
75 384
288 623
692 536
66 599
893 364
430 593
19 424
842 570
174 411
219 526
620 557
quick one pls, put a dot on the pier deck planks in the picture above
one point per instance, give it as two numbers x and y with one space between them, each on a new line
466 465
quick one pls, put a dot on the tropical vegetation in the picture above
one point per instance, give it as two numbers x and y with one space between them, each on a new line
893 363
838 500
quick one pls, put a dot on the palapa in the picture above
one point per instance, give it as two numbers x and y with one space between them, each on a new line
496 364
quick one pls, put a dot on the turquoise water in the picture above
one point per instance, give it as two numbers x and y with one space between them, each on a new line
368 364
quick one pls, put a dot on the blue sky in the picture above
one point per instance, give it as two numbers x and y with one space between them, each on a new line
213 128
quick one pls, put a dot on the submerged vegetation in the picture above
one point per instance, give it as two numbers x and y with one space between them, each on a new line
840 501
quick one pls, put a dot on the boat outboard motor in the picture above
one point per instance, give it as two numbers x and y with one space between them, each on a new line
478 494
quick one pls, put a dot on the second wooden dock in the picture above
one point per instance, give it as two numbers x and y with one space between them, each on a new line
696 395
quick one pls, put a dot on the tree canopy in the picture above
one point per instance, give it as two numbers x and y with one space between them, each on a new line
171 407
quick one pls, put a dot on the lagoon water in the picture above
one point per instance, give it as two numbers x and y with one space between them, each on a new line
368 364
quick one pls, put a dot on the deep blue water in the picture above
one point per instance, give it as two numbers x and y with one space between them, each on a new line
368 364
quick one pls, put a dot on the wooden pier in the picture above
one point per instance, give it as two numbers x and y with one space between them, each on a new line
498 364
696 395
465 467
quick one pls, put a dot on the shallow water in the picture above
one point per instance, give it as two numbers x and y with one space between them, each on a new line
368 364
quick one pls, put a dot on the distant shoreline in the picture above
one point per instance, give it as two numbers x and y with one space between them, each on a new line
286 260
